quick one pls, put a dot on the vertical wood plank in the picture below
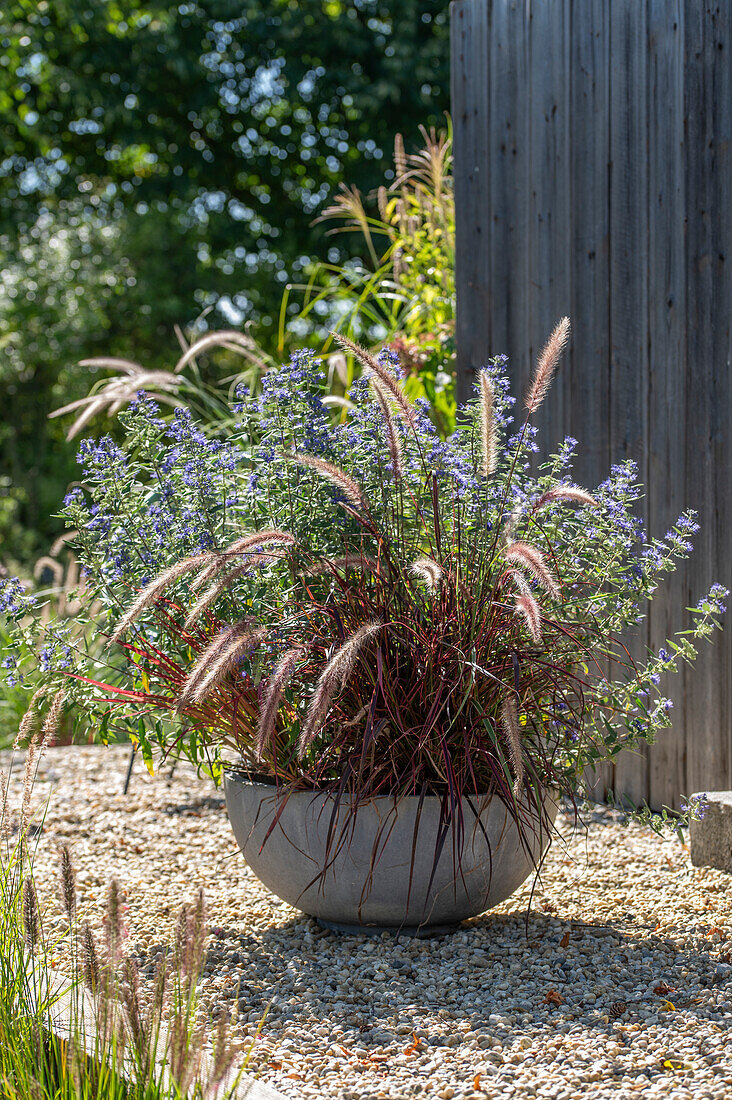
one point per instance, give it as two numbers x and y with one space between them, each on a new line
586 380
629 282
508 152
667 355
549 282
469 31
708 451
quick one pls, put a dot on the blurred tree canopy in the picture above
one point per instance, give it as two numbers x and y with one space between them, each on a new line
158 159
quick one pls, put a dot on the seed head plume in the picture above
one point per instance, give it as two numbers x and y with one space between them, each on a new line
53 718
488 432
523 586
546 365
223 1053
28 720
512 522
31 917
529 610
217 659
113 923
209 597
29 773
392 436
521 553
566 492
130 997
428 571
389 383
332 678
278 681
509 722
355 562
193 954
160 982
4 814
350 488
90 959
240 546
68 882
153 591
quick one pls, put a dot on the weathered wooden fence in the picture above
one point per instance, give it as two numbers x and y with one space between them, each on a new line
593 176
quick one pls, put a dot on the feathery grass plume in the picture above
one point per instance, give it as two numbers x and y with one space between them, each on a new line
389 383
179 939
566 492
4 815
392 436
223 1053
28 720
488 433
509 722
217 659
28 779
332 679
31 917
521 553
90 959
428 571
509 529
209 597
520 581
225 581
153 591
184 1052
338 477
279 679
195 937
529 610
546 364
160 982
356 562
113 924
51 723
240 546
68 882
130 997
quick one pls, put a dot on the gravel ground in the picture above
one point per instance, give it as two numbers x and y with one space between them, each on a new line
578 1010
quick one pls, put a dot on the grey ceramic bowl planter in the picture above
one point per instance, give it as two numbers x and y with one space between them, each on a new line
396 889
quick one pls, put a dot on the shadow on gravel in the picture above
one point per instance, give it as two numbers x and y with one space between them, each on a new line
600 970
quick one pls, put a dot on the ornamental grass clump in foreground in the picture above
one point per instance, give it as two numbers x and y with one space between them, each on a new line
97 1029
364 607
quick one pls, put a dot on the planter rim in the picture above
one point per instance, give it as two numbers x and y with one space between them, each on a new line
241 775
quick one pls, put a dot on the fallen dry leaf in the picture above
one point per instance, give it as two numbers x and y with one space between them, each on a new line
414 1045
476 1082
663 988
275 1065
553 998
675 1064
564 942
668 1006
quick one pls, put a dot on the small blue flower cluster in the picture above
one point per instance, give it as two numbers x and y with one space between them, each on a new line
14 599
697 806
713 603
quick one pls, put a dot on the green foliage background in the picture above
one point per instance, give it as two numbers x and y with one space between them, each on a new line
158 159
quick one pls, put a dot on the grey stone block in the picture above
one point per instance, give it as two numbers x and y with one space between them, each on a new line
711 838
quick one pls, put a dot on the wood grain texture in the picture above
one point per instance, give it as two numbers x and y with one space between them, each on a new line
593 151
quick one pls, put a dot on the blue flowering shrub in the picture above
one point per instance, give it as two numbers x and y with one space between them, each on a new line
359 602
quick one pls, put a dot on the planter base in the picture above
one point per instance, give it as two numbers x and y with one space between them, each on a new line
387 864
411 931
